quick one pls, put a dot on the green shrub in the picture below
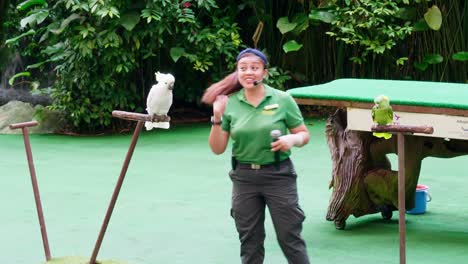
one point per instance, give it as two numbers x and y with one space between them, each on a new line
105 53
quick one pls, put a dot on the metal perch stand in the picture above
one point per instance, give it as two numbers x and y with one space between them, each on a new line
141 118
24 127
401 131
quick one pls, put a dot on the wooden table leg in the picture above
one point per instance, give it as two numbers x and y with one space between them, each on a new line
401 196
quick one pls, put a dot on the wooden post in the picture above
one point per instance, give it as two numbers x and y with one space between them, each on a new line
141 118
401 130
32 172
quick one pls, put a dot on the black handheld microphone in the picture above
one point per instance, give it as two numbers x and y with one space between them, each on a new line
275 134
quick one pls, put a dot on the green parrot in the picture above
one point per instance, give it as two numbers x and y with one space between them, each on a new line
382 114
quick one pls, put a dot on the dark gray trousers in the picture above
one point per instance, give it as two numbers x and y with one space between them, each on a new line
252 191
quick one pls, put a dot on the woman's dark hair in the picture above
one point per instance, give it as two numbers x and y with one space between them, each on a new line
228 85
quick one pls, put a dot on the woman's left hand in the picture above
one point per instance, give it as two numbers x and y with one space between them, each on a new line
286 142
299 137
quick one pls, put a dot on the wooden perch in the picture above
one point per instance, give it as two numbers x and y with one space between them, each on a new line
24 124
403 129
140 117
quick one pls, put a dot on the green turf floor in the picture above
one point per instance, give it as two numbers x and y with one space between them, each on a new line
174 204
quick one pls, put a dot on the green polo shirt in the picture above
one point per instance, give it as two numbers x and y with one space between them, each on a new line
250 126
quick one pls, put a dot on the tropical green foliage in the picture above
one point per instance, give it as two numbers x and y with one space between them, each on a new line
101 55
440 54
4 20
396 35
105 53
373 26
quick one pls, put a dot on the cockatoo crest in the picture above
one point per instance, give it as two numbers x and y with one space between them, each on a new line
159 99
167 79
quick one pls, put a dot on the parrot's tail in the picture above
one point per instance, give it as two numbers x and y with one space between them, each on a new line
151 125
382 135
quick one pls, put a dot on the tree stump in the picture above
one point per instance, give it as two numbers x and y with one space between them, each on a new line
362 180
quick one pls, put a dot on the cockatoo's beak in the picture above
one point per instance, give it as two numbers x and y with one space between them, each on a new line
171 87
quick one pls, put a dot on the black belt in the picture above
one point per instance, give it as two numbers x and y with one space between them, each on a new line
253 166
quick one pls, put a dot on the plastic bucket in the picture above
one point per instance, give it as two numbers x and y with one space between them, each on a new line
421 198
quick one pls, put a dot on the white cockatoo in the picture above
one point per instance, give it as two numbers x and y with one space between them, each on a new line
160 99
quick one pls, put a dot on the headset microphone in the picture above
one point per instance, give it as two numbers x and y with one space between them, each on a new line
255 83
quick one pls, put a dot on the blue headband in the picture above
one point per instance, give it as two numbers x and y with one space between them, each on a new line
255 52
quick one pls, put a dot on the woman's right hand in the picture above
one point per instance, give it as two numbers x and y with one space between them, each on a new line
219 105
218 137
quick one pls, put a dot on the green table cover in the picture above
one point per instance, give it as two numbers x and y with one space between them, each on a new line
417 93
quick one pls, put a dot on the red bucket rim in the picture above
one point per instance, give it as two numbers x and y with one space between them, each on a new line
421 187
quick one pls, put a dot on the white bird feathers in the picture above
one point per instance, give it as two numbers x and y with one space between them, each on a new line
160 99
